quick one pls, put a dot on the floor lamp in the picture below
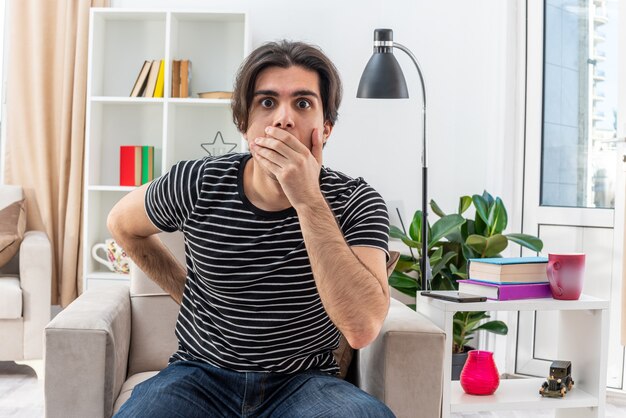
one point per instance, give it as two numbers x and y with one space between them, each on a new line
383 79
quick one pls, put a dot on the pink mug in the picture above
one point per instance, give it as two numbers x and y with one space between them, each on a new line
565 274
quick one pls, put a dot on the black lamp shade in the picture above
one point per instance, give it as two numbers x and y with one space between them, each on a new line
382 78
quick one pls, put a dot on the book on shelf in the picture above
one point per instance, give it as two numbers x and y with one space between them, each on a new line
509 269
499 291
175 78
136 164
140 83
185 78
147 164
152 79
130 165
160 81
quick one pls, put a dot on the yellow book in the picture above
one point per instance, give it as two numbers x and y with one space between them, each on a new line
158 89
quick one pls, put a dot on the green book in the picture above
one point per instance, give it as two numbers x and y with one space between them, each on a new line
147 164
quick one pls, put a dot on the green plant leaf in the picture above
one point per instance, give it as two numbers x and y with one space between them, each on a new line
459 273
528 241
495 245
415 230
444 226
480 227
478 315
442 263
481 208
436 209
487 247
468 252
403 283
476 243
487 197
497 327
399 281
435 257
449 284
395 232
404 263
497 217
464 203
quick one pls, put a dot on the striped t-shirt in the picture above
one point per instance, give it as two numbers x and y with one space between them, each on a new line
250 302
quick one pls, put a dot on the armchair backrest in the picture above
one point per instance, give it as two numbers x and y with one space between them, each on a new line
8 195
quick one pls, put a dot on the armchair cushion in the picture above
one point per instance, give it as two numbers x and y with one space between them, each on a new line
12 228
10 297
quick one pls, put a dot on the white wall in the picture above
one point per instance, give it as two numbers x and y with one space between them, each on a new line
467 51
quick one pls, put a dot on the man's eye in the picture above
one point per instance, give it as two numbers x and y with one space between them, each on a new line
267 102
304 104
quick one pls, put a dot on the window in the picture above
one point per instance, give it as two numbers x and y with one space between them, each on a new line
579 103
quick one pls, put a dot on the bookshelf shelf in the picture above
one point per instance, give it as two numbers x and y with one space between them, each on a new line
120 40
111 188
122 100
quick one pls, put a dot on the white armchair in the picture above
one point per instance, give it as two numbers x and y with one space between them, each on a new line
24 292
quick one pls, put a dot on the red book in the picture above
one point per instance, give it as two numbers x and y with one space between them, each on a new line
130 165
499 291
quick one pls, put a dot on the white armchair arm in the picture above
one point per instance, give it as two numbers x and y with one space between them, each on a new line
35 265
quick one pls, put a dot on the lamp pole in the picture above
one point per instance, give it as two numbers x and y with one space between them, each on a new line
424 262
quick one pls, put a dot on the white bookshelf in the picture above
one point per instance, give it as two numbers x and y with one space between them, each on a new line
119 42
582 339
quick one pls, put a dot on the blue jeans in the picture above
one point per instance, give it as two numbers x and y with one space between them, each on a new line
194 389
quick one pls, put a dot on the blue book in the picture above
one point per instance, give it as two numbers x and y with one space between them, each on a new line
509 269
511 260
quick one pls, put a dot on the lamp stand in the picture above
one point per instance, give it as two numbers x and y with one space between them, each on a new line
424 261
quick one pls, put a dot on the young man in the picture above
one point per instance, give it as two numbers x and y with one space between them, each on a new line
283 255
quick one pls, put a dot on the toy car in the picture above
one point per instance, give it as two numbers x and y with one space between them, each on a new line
560 380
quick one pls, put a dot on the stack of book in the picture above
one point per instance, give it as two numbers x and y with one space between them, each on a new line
136 164
507 278
150 80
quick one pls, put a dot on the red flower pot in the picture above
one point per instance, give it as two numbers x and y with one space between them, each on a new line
480 375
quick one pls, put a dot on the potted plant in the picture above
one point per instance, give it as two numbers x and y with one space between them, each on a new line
452 240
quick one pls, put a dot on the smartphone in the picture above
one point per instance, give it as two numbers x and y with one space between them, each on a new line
453 296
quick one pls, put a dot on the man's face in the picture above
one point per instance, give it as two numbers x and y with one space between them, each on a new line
290 99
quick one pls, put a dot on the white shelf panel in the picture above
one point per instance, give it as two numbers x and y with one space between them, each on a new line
200 102
518 394
129 100
111 188
545 304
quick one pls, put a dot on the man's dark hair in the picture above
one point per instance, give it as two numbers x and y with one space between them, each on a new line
285 54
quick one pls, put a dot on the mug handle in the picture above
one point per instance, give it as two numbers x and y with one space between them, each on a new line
555 283
94 254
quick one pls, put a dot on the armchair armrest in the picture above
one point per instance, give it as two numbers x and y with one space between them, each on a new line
403 367
86 354
35 272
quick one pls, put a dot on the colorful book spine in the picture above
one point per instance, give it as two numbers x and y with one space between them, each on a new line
505 291
130 165
175 78
147 164
160 82
185 78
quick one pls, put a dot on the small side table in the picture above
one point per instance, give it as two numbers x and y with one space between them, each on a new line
582 339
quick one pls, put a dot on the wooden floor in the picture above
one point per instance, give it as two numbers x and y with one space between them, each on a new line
21 396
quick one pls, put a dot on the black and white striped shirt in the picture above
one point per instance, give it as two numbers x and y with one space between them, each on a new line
250 301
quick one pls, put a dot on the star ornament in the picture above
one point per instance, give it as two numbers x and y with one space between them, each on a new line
218 146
